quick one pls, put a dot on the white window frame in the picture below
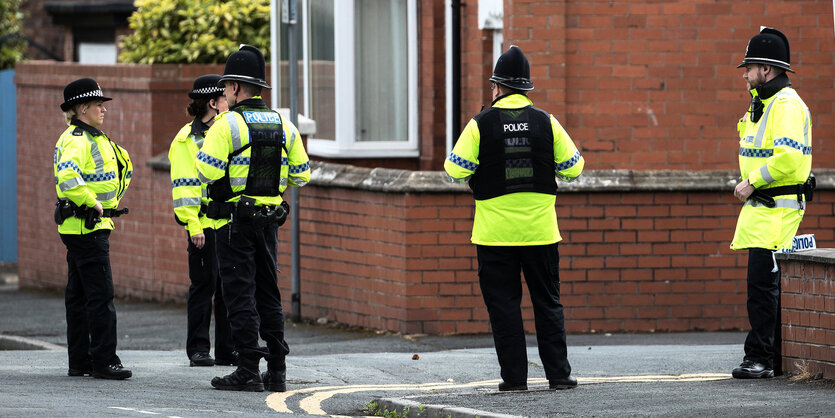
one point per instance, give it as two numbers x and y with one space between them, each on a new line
345 144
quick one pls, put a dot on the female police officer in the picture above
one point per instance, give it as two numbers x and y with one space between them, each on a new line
91 176
190 200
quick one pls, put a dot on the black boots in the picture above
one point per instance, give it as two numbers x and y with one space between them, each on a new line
275 378
201 360
245 378
112 372
568 382
752 370
507 387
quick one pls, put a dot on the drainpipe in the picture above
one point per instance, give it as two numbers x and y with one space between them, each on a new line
456 6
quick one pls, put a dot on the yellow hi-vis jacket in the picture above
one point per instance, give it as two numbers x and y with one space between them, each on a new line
514 219
89 168
188 192
228 134
775 151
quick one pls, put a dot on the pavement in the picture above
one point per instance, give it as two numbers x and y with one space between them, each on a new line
337 371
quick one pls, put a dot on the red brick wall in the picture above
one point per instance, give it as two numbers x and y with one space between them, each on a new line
654 85
808 315
630 261
148 108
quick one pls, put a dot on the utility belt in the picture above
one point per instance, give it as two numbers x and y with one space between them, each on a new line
245 210
802 191
65 208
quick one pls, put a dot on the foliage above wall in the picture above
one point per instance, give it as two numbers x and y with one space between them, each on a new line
194 31
12 44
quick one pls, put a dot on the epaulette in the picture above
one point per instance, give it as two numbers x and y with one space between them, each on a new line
78 131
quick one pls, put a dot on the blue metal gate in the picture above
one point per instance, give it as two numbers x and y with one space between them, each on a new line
8 167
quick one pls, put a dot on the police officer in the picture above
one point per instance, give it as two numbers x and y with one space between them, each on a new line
775 161
510 155
249 157
190 203
91 176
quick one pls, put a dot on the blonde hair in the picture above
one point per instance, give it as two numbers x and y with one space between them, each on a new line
74 112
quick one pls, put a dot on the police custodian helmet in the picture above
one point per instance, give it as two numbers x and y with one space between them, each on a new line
768 47
245 65
512 70
206 87
82 91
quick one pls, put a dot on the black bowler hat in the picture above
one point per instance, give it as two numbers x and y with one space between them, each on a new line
206 87
768 47
512 70
246 65
82 91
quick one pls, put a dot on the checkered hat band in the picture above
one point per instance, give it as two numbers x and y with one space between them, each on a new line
94 93
207 90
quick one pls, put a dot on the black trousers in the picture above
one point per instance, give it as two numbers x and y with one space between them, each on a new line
205 284
91 315
247 259
763 344
498 274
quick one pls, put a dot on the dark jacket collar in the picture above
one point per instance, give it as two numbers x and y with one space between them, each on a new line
198 128
772 87
251 102
91 130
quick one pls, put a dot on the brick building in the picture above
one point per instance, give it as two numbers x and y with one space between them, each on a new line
649 91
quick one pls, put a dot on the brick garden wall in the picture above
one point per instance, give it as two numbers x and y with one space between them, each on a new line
809 312
654 84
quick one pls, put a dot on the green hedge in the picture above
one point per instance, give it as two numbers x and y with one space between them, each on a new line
12 45
195 31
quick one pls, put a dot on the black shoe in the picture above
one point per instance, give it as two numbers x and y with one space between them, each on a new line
275 380
81 371
230 360
568 382
752 370
239 380
506 387
112 372
201 359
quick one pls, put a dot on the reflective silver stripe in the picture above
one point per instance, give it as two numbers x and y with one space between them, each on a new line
187 201
204 179
455 180
807 127
283 181
106 196
198 140
69 184
299 181
766 175
292 140
204 192
95 153
237 181
781 203
758 140
234 130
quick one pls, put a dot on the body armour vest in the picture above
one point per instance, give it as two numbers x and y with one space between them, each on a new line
516 153
266 142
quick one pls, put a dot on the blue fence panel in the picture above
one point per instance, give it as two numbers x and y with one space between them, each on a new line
8 167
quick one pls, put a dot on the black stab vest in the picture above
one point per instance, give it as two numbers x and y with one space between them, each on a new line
516 153
266 139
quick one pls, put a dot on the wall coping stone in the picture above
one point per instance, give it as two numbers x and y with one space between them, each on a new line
819 255
389 180
396 180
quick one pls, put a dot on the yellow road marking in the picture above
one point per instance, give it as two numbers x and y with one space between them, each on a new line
312 404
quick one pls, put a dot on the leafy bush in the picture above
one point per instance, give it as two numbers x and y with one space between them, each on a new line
195 31
12 45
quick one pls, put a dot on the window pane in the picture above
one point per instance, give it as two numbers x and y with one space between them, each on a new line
381 70
322 96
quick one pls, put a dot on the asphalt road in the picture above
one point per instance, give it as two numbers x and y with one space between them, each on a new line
337 371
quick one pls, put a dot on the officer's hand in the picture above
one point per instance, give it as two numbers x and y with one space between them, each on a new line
99 209
743 190
198 240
